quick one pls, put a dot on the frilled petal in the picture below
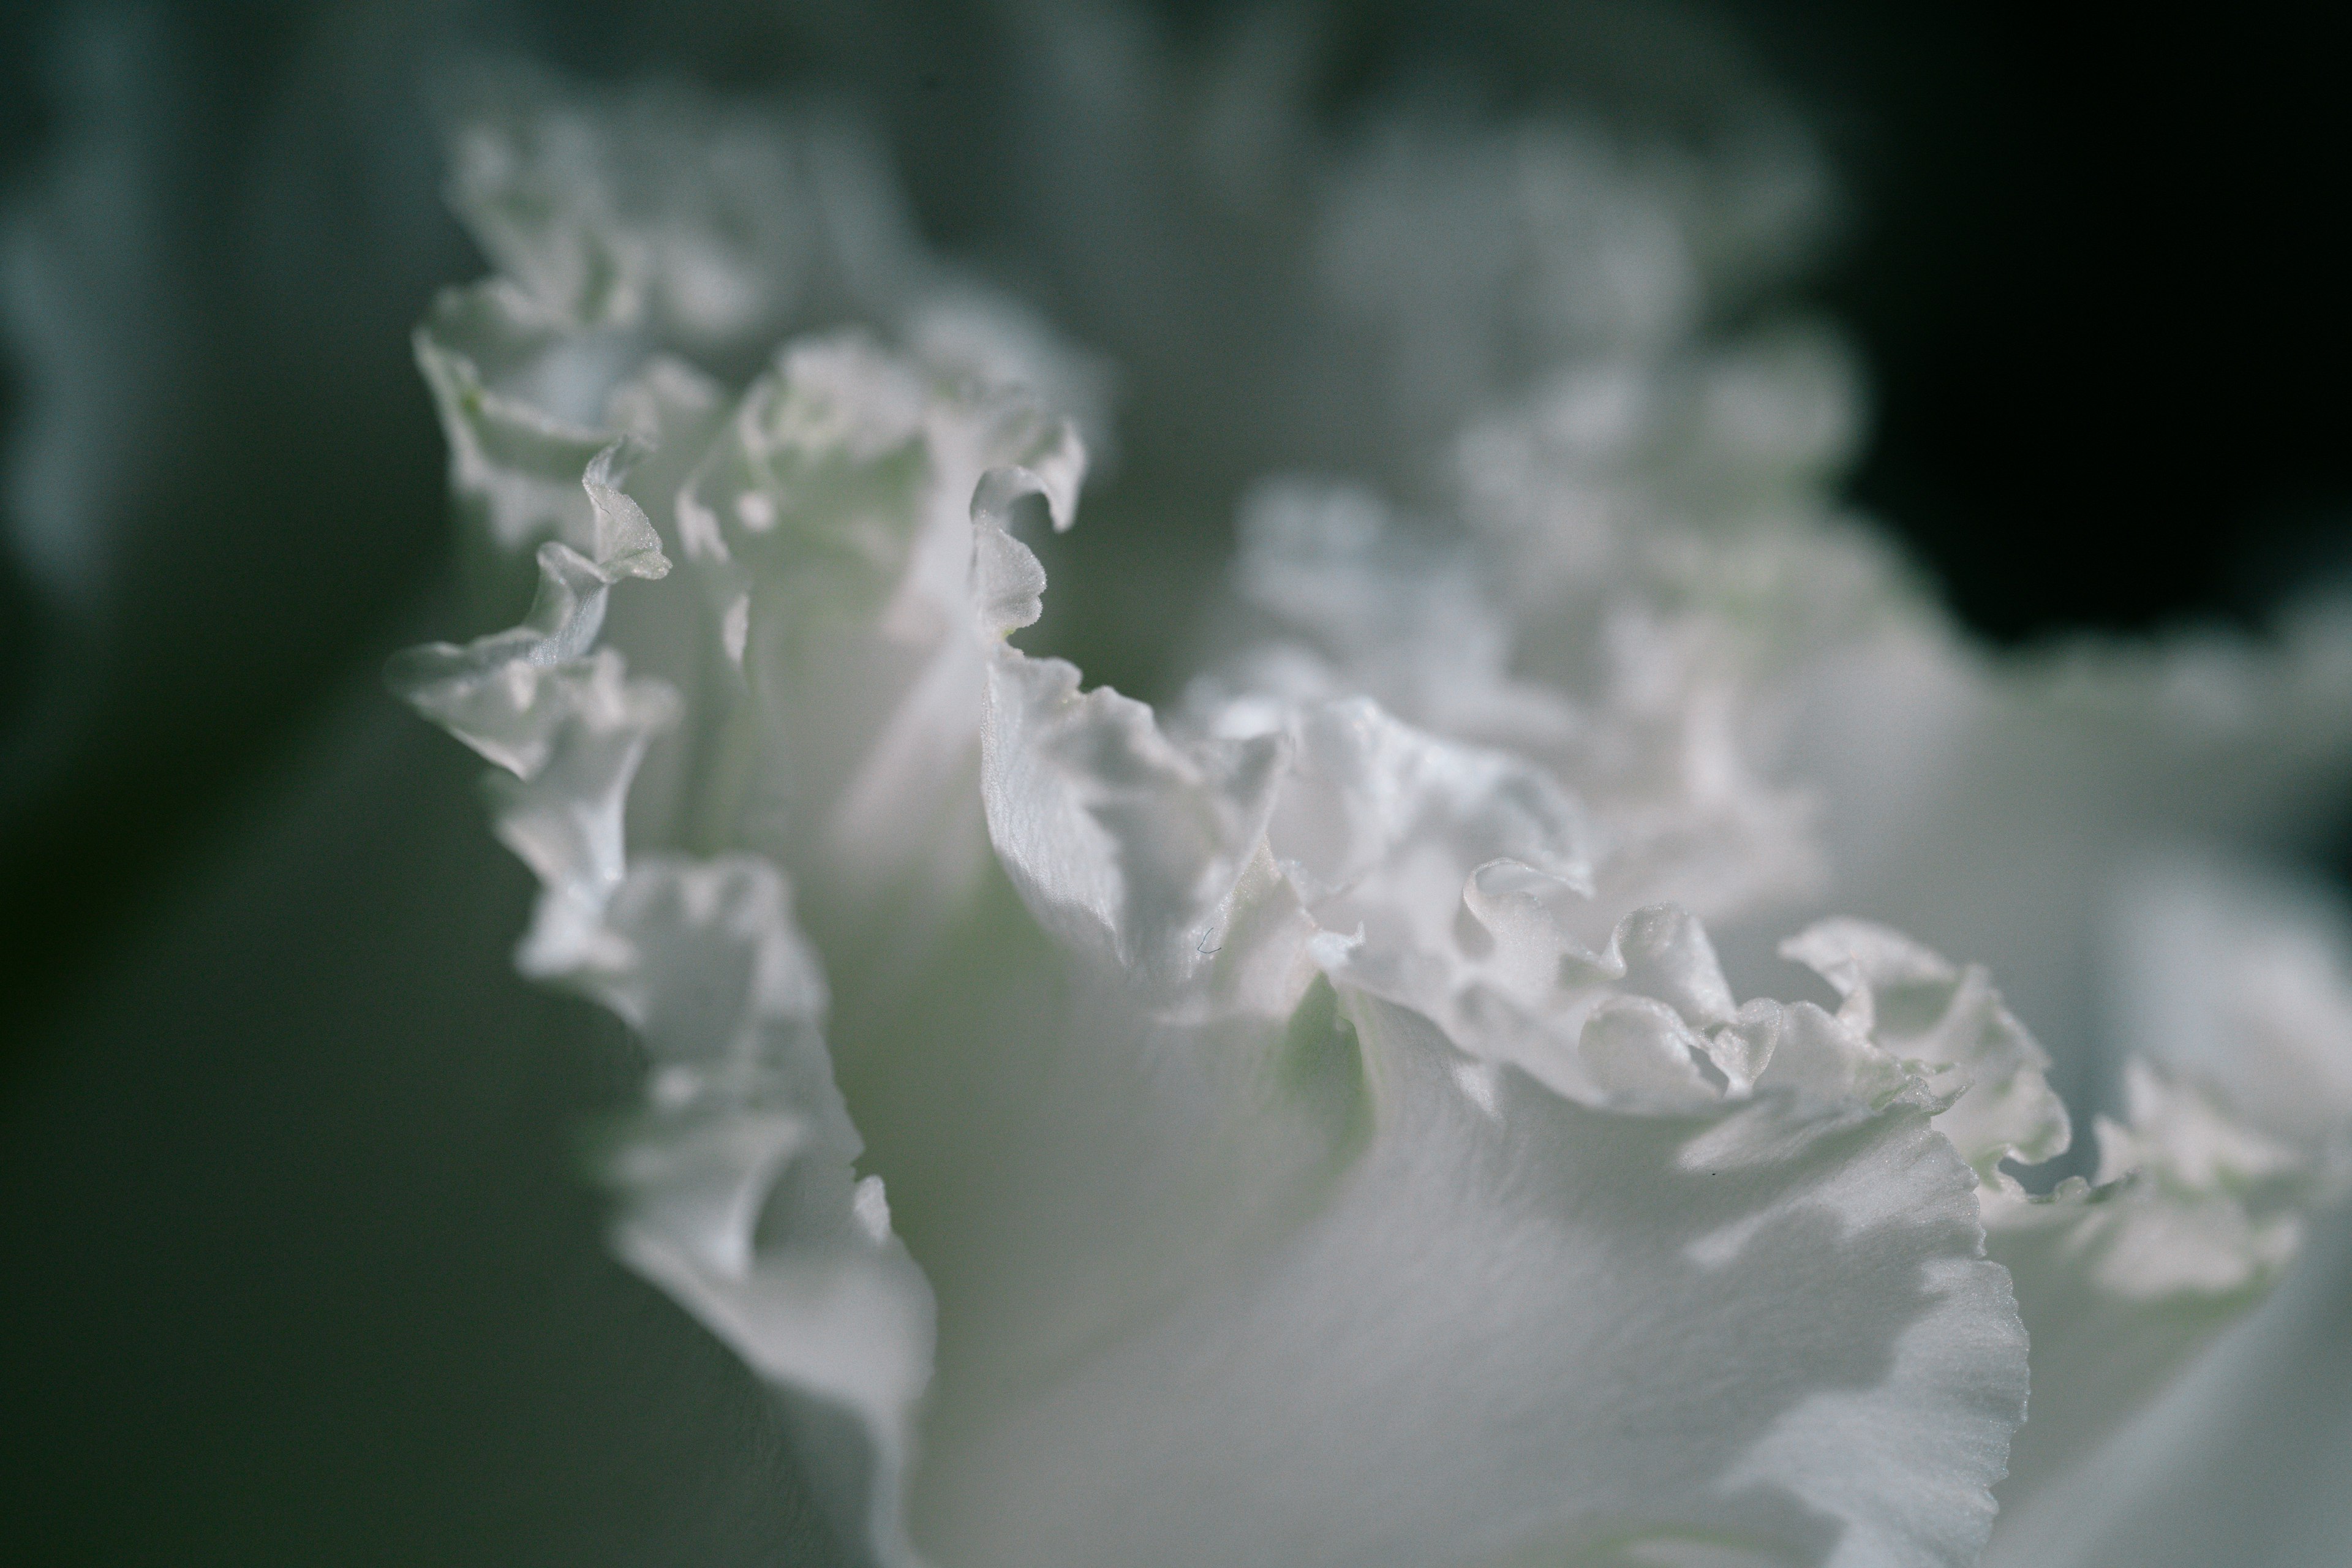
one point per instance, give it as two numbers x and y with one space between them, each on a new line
636 226
1379 829
660 218
1320 1286
1918 1009
1366 604
1640 712
520 401
2232 1140
2198 1209
735 1182
831 527
1366 790
1950 780
1522 1330
1294 1183
2120 1285
559 718
717 228
1125 845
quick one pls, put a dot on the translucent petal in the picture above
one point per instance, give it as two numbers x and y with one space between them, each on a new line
1524 1326
1950 782
2243 977
1156 1423
1123 845
635 226
2232 1142
1239 1257
2121 1285
1640 716
736 1184
515 450
658 209
735 1179
830 526
1918 1009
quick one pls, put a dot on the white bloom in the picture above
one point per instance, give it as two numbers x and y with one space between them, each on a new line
1345 1116
1304 1134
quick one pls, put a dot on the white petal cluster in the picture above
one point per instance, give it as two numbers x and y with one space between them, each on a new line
1318 1128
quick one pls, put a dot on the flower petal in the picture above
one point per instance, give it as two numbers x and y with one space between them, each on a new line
737 1193
519 400
2233 1142
1639 716
1125 846
1525 1325
1213 1350
1917 1008
831 527
736 1185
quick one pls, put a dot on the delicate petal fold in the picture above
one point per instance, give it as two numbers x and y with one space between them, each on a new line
520 402
737 1191
1122 843
1950 780
1641 715
634 229
1918 1009
1524 1329
735 1179
2234 1134
716 227
1304 1393
487 692
2120 1285
831 525
1324 1136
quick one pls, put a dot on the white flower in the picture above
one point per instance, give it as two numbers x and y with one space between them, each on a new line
1314 1131
1343 1116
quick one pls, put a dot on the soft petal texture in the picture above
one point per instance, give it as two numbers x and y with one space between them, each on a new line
1951 779
659 218
1624 621
830 527
1223 1074
1640 579
1288 1379
1216 1168
631 227
2243 1457
2122 1285
737 1193
1180 895
2229 1150
1950 783
824 528
2238 975
1917 1008
1527 1326
1127 847
655 247
2199 1208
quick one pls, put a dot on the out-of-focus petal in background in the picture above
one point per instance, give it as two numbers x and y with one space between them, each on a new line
299 1269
